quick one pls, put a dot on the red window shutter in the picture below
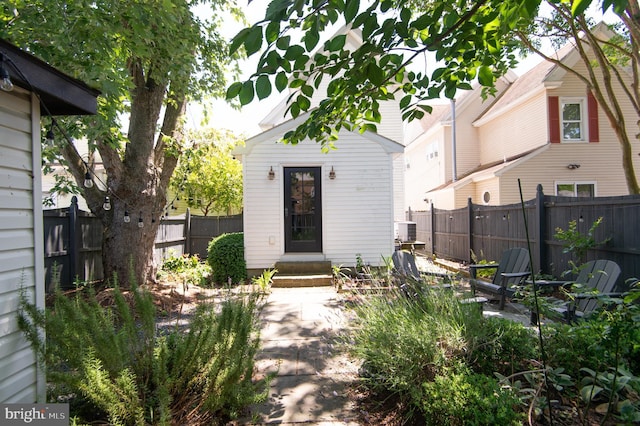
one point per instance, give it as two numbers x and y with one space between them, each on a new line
594 128
554 119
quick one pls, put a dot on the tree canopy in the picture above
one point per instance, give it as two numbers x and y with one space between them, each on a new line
459 43
148 58
207 174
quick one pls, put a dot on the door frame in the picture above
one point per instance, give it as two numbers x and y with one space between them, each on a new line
308 246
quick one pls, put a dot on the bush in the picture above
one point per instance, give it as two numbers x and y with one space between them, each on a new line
464 398
225 255
185 268
114 366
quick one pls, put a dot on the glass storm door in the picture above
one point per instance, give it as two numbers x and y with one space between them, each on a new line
302 210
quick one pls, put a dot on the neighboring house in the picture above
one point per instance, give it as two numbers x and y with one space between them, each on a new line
21 227
301 204
542 128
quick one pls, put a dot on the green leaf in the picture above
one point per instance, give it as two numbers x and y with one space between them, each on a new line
422 22
281 81
234 90
311 39
263 87
579 6
283 42
405 101
239 40
294 52
375 74
485 76
272 32
253 42
351 9
336 43
246 93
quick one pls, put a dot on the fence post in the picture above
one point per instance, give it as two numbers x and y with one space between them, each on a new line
187 232
433 231
74 236
470 234
542 226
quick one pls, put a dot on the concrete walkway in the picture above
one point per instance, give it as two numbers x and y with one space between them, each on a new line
299 333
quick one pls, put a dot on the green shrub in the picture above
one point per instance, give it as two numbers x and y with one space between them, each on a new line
464 398
118 368
500 345
226 258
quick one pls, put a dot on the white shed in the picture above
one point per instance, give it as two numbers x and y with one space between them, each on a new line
36 84
303 205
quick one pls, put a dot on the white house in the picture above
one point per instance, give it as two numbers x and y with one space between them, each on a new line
21 226
301 204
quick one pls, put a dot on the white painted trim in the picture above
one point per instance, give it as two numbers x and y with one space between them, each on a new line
38 233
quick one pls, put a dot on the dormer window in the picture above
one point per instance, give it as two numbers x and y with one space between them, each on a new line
573 119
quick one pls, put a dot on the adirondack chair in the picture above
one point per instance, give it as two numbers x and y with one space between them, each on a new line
409 276
511 271
600 275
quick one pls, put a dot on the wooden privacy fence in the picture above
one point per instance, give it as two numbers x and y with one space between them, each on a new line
73 241
487 231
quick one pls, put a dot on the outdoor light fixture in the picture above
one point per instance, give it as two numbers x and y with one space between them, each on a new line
5 80
107 204
272 174
573 166
88 182
126 218
50 137
140 221
332 174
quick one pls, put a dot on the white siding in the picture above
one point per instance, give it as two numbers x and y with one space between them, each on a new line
21 260
357 206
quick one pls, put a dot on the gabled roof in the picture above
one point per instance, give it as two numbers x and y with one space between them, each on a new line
60 94
492 170
275 133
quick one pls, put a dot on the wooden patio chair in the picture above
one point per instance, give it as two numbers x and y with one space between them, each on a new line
511 271
596 278
406 272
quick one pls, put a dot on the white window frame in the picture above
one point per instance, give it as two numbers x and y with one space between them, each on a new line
575 186
582 102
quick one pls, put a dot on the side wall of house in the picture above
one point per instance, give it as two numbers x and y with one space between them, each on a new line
424 167
21 246
519 130
357 206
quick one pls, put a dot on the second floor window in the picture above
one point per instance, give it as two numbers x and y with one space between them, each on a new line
573 117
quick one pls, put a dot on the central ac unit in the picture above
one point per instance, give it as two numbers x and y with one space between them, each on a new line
406 231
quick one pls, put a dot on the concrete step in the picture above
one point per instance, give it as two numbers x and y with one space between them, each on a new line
304 268
308 280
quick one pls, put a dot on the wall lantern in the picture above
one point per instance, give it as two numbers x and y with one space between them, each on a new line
573 166
272 174
5 81
332 174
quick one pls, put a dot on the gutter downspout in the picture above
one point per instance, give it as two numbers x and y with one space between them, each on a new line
454 170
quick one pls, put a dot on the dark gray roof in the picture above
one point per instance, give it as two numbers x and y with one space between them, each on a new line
60 94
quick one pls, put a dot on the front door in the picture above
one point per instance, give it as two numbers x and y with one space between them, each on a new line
302 209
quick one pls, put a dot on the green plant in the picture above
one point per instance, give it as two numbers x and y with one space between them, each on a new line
340 276
617 389
114 365
576 243
464 398
264 280
185 268
226 258
480 260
